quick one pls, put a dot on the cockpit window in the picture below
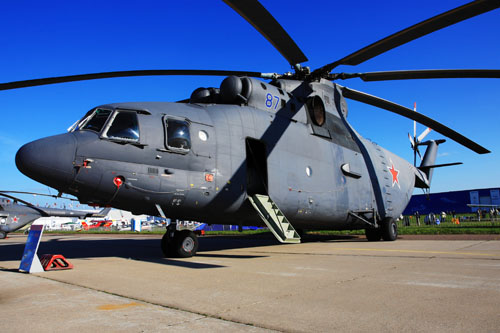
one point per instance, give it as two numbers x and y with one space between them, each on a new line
178 137
124 126
96 121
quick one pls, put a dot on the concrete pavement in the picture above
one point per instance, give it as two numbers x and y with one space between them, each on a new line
121 283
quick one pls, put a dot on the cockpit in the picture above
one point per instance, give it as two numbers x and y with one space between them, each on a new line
119 125
94 120
123 126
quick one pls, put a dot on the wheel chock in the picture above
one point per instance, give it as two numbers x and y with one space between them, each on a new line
54 262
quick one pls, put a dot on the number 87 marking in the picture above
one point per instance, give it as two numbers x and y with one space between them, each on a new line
269 101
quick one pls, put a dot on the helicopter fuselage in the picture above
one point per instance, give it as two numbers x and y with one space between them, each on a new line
202 160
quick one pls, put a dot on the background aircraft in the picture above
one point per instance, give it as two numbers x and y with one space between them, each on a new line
18 213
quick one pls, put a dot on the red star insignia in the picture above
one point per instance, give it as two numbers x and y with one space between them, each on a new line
14 219
394 172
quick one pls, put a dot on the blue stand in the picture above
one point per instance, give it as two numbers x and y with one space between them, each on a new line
30 263
135 225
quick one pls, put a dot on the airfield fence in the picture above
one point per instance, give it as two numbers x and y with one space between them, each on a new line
449 220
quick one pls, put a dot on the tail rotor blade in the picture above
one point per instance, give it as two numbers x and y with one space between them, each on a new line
414 147
424 134
411 140
418 152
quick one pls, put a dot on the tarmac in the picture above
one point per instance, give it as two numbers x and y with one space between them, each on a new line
120 283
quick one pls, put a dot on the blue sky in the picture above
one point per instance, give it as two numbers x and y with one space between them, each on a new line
52 38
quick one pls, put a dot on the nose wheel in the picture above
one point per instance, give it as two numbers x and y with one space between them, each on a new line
179 243
3 234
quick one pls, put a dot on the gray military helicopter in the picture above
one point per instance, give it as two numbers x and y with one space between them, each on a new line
278 153
18 213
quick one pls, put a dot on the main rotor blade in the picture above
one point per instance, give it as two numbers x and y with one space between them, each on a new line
416 31
266 24
422 74
3 194
106 75
414 122
405 112
29 204
38 194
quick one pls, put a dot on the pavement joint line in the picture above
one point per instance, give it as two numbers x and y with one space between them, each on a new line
383 250
472 245
203 315
418 251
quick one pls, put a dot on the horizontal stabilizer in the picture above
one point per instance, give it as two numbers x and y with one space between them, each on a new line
102 213
439 165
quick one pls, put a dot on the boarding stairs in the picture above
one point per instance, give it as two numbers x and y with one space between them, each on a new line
275 220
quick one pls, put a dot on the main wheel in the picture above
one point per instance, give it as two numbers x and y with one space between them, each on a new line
3 234
185 243
372 234
167 244
389 229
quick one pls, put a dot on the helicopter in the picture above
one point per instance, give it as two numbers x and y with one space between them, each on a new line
16 213
278 153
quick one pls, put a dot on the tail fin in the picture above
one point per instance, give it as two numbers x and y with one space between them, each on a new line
102 213
428 161
429 158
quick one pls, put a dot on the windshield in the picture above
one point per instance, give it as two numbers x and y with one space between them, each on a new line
96 120
124 127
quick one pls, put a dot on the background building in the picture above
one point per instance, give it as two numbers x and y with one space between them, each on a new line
455 201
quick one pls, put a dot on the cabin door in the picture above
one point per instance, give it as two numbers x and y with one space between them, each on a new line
256 165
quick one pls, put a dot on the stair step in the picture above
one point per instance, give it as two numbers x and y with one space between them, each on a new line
275 220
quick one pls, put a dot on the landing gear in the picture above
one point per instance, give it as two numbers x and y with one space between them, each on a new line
179 243
372 234
387 230
3 234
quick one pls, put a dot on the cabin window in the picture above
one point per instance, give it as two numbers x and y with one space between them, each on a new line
124 126
202 135
316 110
178 137
96 120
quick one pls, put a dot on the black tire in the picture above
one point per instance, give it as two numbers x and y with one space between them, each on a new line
372 234
389 230
186 243
167 245
3 234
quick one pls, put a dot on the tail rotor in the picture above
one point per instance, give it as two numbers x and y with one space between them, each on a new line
417 141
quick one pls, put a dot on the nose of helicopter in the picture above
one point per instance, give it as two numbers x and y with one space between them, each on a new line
49 160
